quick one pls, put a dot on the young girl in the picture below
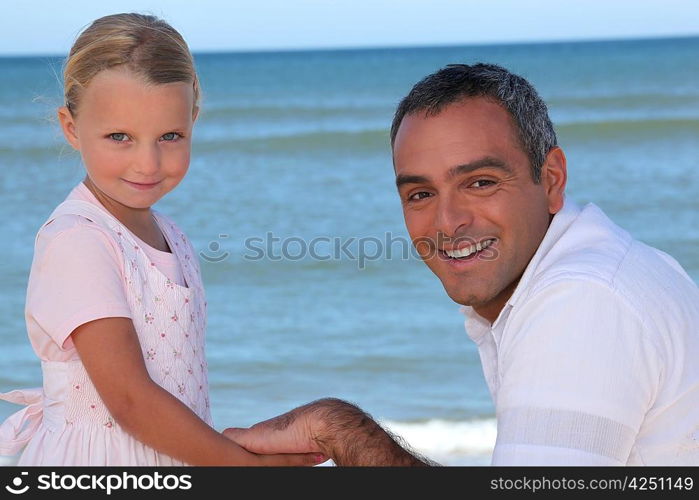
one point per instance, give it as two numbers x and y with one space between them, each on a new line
115 306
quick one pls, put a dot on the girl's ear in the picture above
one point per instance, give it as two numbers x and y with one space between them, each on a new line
65 117
195 113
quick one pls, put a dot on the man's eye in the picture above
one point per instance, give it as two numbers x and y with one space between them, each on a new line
421 195
118 136
481 183
170 136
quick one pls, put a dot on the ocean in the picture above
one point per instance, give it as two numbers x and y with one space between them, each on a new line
290 201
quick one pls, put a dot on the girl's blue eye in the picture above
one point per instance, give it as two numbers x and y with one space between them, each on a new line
170 136
118 136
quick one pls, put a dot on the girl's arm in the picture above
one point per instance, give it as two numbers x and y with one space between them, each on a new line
110 350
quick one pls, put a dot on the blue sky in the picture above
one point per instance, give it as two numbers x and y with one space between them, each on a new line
50 26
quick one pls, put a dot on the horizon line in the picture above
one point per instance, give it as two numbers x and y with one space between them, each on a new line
350 48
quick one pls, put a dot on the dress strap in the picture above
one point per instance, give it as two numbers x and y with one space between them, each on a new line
18 429
84 209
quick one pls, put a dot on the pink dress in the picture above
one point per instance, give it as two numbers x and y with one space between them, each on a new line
65 422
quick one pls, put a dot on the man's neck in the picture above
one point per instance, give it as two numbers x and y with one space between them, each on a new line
491 310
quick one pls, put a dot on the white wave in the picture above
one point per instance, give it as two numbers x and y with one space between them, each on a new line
448 442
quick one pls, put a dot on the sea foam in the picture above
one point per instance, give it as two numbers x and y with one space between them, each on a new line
449 442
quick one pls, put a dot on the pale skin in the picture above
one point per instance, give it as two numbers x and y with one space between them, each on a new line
135 138
463 178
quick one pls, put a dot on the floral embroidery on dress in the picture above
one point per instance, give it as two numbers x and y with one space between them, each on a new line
172 347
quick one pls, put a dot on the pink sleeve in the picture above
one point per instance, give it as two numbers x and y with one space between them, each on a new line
76 278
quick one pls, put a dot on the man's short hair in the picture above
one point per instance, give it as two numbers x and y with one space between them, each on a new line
456 82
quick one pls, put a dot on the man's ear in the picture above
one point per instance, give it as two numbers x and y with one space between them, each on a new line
554 175
65 118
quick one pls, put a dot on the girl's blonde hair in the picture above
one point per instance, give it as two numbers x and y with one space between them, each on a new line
144 44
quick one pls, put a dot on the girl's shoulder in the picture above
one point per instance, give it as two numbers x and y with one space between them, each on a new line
78 213
66 223
74 232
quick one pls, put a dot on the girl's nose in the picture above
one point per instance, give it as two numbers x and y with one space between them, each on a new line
148 160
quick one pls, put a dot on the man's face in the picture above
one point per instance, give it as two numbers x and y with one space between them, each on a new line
473 212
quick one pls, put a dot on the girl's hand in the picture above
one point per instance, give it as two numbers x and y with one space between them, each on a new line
291 459
291 432
332 428
111 353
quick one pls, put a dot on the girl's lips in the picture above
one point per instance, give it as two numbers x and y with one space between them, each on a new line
141 186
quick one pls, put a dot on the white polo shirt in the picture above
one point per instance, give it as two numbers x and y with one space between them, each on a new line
594 360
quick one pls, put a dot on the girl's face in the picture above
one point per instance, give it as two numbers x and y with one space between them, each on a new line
134 137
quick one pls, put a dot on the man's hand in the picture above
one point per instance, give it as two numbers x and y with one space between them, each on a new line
331 427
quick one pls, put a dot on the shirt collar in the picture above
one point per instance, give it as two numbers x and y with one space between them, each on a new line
81 192
477 325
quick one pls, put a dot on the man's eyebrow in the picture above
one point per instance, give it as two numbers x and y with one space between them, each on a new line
485 162
410 179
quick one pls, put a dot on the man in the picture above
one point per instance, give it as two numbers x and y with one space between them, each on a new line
589 339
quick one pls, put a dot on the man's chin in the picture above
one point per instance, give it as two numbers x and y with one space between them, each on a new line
464 299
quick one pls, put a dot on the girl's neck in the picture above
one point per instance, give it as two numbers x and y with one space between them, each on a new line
139 221
126 215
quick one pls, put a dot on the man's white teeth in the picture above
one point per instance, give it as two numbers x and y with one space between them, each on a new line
466 251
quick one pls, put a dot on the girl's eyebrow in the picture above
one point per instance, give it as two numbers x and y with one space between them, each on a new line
126 130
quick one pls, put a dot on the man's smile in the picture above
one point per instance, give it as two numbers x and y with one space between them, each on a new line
467 256
466 251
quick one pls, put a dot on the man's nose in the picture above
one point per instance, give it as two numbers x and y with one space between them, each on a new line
147 161
454 216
